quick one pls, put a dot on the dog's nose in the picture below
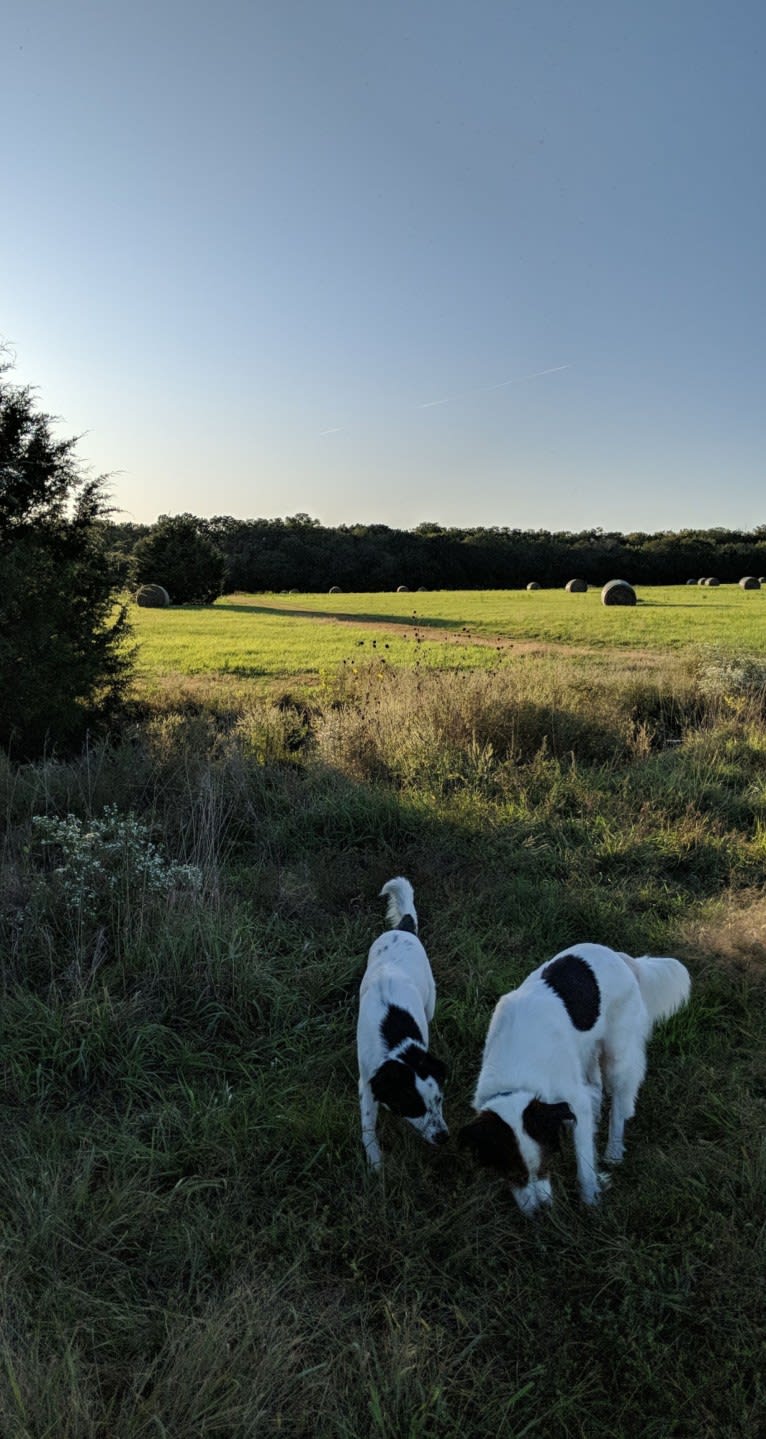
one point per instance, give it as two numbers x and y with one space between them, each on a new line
441 1137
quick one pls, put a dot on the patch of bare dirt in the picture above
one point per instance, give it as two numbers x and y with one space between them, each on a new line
735 935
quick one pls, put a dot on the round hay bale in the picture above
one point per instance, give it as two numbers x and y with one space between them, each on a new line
701 582
402 589
152 597
762 579
421 589
693 582
618 592
293 592
576 587
749 582
712 582
335 590
533 585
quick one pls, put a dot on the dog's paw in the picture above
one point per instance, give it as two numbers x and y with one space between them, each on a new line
593 1195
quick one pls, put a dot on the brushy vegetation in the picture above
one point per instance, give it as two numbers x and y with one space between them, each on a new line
191 1244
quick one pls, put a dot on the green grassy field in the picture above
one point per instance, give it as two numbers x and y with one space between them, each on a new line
267 638
191 1245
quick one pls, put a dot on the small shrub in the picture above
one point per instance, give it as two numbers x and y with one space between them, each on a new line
99 860
734 678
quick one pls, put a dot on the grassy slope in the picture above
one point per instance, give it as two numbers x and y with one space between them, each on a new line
191 1245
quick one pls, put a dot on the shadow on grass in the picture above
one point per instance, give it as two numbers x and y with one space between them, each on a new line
413 621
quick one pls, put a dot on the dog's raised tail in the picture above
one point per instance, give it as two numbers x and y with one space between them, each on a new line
664 984
401 904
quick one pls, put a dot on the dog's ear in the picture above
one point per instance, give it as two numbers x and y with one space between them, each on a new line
394 1085
545 1122
438 1069
493 1143
426 1065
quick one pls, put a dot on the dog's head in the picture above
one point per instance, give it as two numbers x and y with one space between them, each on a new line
520 1142
413 1087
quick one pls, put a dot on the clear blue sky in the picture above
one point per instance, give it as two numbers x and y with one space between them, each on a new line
245 247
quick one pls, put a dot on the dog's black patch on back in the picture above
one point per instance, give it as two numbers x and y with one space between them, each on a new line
408 924
573 980
396 1025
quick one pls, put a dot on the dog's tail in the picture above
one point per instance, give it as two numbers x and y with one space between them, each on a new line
401 912
664 984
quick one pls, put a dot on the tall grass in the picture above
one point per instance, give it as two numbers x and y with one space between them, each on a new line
191 1244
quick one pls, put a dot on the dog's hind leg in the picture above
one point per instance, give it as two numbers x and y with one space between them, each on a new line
595 1087
368 1106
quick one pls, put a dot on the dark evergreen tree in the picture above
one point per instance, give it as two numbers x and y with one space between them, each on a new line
180 556
63 658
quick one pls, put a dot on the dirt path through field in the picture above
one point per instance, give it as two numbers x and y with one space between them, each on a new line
425 631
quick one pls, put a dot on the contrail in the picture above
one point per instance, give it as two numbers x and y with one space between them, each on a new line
477 390
485 389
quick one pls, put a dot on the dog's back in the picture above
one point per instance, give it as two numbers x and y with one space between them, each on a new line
398 970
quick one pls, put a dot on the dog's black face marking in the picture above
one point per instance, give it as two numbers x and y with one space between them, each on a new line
397 1025
494 1144
545 1122
394 1085
573 980
408 924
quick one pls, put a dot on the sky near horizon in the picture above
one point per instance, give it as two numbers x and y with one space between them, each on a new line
490 263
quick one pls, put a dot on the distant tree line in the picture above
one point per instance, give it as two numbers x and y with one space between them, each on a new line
300 553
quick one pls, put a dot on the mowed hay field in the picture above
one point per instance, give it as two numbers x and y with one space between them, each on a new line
268 637
191 1243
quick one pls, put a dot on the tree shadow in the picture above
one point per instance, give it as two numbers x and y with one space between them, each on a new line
412 621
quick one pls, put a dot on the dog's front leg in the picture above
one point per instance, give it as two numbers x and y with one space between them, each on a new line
369 1110
590 1181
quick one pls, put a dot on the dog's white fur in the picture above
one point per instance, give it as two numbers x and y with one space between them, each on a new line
398 977
534 1051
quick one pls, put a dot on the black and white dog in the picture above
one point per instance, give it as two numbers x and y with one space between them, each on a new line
580 1020
396 1004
